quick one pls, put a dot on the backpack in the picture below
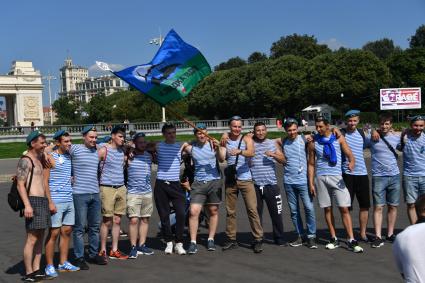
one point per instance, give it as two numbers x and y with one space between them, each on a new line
13 198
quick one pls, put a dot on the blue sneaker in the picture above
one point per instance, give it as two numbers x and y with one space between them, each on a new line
50 272
144 250
133 252
67 267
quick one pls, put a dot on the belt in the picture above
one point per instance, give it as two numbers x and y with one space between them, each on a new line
110 186
168 182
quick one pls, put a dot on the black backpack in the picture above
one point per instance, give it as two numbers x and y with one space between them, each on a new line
13 198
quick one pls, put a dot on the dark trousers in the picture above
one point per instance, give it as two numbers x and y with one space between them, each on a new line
271 195
164 193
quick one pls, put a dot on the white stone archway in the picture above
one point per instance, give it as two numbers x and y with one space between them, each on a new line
22 89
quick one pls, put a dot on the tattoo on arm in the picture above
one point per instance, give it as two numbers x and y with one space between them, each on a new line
23 169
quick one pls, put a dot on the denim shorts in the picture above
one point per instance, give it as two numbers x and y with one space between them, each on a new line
413 187
65 214
386 190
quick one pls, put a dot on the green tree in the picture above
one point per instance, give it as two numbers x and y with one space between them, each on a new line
300 45
231 63
256 57
418 40
67 110
357 74
382 48
99 109
408 68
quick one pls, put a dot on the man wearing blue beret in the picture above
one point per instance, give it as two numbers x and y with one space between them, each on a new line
85 189
357 180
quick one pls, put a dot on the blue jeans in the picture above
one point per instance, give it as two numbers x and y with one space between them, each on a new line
87 213
293 193
413 186
386 190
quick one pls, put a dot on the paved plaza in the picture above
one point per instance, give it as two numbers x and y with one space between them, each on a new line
275 264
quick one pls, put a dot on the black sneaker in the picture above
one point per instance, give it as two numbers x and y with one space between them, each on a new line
32 277
230 245
39 274
368 239
377 243
257 246
353 245
333 244
311 243
193 248
211 245
298 242
81 263
281 243
391 238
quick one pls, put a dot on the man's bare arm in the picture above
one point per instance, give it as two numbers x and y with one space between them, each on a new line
250 150
24 167
311 164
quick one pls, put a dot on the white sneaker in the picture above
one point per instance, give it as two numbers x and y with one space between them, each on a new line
178 249
169 249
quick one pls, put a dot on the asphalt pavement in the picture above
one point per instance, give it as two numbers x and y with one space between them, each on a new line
275 264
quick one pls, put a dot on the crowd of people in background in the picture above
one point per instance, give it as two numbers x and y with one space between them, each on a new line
70 190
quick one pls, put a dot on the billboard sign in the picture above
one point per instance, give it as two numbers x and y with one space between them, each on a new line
400 98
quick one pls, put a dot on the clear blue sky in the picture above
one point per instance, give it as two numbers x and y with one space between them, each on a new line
118 32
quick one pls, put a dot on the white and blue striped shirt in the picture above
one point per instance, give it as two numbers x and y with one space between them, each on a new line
263 168
323 168
295 170
139 174
85 162
384 162
414 156
242 168
112 168
169 159
356 144
204 158
60 178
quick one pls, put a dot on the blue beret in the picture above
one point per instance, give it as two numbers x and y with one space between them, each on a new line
200 126
139 134
352 113
105 139
87 129
417 118
32 136
58 134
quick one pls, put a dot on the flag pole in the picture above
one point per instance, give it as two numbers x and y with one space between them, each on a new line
190 123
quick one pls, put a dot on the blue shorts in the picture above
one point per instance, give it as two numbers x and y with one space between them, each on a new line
386 190
413 187
65 214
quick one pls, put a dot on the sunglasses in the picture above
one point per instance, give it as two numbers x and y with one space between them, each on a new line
417 118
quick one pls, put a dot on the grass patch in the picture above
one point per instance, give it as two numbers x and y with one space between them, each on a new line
15 149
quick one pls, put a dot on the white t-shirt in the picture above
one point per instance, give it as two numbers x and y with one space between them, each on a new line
409 253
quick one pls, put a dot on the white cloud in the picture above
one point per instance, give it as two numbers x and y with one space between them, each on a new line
333 43
95 71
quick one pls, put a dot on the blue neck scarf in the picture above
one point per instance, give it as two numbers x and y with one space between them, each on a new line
328 148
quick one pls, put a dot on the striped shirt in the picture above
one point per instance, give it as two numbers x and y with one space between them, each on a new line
169 158
414 156
356 144
205 162
295 170
242 169
139 174
85 162
263 168
384 162
323 168
60 178
112 168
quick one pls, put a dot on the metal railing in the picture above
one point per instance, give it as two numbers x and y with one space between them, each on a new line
17 134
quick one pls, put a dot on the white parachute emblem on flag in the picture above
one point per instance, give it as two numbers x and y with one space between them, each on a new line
103 66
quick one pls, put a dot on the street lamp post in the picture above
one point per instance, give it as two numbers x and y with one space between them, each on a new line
49 78
158 41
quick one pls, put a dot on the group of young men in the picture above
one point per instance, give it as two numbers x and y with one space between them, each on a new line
88 188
